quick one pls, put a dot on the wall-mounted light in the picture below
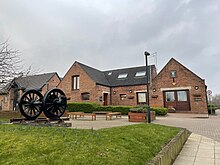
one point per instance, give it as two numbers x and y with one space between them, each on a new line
196 87
154 90
114 92
130 91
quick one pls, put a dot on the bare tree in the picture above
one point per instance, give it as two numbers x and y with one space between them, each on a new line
10 64
216 100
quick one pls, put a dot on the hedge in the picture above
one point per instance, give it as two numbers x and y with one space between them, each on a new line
82 107
159 111
90 107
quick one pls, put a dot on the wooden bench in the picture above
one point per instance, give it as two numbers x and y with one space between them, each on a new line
73 115
113 114
101 112
91 114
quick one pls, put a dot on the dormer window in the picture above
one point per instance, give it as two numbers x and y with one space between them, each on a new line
140 74
123 75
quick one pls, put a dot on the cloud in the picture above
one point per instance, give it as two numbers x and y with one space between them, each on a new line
113 34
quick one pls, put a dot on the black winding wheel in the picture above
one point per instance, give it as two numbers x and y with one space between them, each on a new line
30 104
54 103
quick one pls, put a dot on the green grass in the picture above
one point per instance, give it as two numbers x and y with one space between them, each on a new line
133 145
5 119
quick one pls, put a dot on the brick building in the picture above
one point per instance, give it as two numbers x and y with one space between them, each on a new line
10 95
175 87
114 87
179 88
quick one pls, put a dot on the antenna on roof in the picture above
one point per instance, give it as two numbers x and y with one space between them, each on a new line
153 59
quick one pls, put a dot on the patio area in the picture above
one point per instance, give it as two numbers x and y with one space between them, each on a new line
100 122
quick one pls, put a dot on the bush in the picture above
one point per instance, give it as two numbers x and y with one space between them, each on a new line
211 108
160 111
82 107
143 108
123 109
90 107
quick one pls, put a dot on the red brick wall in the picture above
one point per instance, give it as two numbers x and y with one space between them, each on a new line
52 83
130 91
86 84
185 79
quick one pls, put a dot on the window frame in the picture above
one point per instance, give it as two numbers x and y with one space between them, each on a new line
173 74
138 99
174 98
140 74
85 96
122 75
75 82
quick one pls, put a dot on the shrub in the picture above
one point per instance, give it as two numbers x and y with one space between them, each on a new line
82 107
159 111
123 109
90 107
211 108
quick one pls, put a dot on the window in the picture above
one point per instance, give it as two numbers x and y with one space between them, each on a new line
85 96
173 74
5 99
140 74
182 95
123 96
75 82
109 73
170 96
123 75
141 97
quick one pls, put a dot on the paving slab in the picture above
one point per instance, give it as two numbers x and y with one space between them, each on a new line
201 154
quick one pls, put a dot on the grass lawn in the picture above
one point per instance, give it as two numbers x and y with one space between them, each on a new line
128 145
5 119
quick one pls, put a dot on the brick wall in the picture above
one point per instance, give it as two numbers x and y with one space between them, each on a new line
131 94
86 85
52 83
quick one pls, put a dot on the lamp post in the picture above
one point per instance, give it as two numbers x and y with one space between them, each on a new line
148 97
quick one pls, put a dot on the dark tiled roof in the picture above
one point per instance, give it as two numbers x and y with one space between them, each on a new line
96 75
106 79
131 79
33 82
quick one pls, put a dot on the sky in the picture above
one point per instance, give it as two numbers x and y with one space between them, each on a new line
110 34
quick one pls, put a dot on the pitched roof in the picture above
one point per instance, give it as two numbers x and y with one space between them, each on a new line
106 79
34 82
96 75
130 79
174 60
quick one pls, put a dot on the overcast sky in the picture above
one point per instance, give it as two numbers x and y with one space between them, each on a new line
110 34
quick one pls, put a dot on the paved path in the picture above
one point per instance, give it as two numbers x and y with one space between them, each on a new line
199 150
209 127
203 145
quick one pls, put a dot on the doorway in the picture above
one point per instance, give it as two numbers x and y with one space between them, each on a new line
177 99
105 101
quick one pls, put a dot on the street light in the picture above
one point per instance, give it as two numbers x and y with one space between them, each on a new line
148 97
